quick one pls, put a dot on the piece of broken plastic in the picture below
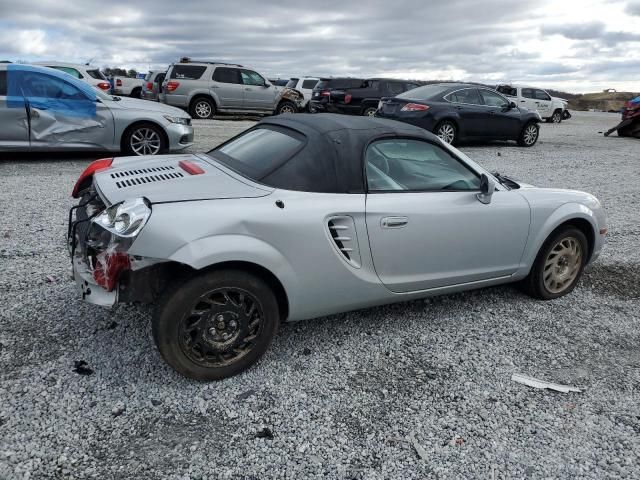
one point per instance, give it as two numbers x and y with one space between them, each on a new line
536 383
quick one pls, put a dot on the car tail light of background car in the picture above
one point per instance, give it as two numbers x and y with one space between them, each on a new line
149 85
118 82
106 86
93 167
171 86
325 93
414 107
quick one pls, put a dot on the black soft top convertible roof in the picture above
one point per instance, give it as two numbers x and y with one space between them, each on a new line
332 160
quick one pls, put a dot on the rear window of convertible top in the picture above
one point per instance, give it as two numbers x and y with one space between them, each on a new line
260 151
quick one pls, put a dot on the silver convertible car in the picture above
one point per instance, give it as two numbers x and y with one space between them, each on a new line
308 215
46 109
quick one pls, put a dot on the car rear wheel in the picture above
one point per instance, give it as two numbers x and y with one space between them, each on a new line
286 107
202 108
136 93
447 132
216 325
529 135
558 266
369 111
144 139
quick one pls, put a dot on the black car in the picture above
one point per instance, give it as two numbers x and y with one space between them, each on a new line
355 96
459 111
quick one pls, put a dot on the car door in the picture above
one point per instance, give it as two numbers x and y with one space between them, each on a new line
227 86
501 120
543 101
469 107
13 115
63 115
528 99
258 93
426 226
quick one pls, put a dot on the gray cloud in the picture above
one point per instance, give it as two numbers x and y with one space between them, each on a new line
455 39
633 8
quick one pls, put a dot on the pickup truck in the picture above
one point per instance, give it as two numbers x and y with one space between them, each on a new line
550 108
129 87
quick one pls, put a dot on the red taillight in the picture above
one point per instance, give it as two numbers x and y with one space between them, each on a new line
325 93
347 98
190 167
108 267
171 86
118 82
104 86
414 107
93 167
149 85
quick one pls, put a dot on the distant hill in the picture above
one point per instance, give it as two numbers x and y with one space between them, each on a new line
605 101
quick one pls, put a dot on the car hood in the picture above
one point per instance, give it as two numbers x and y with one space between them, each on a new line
167 178
147 106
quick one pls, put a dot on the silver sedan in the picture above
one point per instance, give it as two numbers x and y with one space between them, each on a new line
45 109
309 215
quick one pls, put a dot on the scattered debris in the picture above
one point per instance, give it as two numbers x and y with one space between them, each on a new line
265 433
244 395
51 279
306 351
82 368
422 453
535 383
7 234
629 126
118 409
155 402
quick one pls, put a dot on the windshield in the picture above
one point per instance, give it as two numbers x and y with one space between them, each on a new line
292 83
424 93
257 152
97 74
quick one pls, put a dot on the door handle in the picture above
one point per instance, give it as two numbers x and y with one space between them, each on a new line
249 89
215 86
394 222
522 101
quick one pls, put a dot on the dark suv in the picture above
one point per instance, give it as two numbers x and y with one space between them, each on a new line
355 96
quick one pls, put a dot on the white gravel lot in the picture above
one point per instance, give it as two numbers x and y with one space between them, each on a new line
334 397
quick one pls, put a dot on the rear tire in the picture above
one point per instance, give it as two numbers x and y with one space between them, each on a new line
529 135
136 93
286 107
202 108
447 131
558 266
369 111
215 325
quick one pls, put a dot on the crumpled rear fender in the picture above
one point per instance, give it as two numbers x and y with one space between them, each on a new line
216 249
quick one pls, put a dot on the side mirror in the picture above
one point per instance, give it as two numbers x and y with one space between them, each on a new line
512 105
487 187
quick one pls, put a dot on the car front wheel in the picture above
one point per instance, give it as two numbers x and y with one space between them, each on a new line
556 117
369 112
529 135
286 107
559 264
216 325
144 139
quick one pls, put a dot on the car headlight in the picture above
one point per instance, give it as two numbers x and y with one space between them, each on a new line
125 219
178 120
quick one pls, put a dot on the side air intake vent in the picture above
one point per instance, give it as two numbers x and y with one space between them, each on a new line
343 233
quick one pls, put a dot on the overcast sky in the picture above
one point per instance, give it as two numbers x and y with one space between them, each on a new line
575 45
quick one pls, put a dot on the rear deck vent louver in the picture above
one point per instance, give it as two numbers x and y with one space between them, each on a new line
141 176
343 233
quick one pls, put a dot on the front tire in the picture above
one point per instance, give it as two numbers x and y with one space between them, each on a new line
144 139
447 132
529 135
556 117
202 108
369 112
558 266
136 93
216 325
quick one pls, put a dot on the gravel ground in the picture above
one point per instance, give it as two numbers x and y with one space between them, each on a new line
335 397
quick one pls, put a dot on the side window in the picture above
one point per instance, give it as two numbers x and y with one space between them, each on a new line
226 75
528 93
469 96
3 83
492 99
507 90
542 95
251 78
309 84
43 86
395 88
71 71
187 72
412 165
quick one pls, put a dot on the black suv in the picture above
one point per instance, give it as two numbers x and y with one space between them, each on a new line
355 96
